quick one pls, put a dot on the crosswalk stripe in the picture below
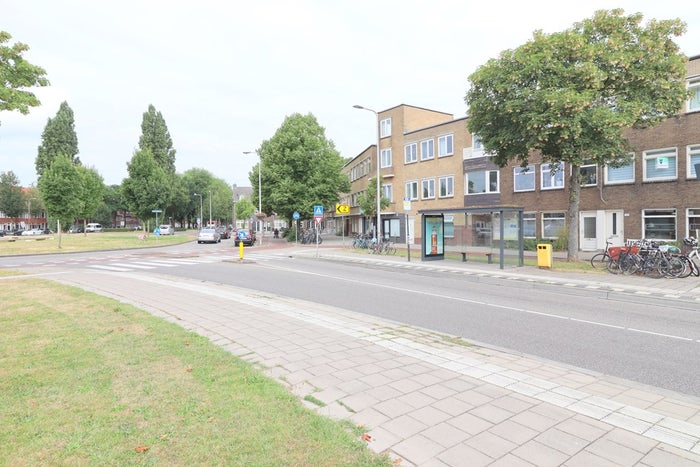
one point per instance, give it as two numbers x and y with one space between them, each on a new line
108 268
136 265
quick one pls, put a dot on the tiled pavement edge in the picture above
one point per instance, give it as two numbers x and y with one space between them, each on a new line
426 398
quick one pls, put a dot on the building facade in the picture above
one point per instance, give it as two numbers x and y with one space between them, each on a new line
430 159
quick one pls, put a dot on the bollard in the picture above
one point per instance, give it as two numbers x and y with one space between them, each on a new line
240 249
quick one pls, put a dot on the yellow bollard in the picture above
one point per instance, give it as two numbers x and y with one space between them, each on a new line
240 250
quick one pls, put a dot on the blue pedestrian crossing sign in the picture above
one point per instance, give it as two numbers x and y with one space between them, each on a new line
318 211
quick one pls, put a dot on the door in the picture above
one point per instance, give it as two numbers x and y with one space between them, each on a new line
595 227
588 231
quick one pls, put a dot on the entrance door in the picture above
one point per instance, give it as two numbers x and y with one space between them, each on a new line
598 226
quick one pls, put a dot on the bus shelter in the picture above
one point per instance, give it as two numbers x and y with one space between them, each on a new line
488 232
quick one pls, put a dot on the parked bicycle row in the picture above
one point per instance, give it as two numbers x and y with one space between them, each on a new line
651 259
369 243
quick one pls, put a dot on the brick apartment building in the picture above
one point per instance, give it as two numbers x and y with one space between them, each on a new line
431 159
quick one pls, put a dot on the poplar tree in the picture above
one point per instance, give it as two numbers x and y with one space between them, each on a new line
156 139
58 138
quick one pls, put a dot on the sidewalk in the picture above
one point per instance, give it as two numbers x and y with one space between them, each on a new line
424 397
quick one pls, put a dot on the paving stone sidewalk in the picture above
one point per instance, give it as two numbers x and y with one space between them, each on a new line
425 398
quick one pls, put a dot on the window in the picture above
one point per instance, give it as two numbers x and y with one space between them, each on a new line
660 165
410 153
385 127
659 224
447 186
448 226
694 101
427 149
412 190
428 186
482 181
524 178
589 174
386 157
530 224
553 224
623 174
477 147
693 161
445 146
693 222
552 176
388 192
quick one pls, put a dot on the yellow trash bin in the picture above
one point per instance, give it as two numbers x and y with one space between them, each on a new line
544 255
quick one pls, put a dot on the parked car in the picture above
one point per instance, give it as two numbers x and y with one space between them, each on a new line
17 232
76 229
93 227
208 236
32 232
224 233
48 231
166 229
246 236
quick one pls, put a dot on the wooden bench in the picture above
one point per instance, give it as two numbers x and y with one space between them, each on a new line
488 254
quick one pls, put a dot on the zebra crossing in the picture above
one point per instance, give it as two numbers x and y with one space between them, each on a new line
145 264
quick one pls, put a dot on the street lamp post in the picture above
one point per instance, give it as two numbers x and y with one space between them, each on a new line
201 215
209 209
262 230
379 195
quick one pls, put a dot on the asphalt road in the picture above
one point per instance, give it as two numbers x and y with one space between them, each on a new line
637 338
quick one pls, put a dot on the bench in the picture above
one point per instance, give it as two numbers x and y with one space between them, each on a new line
488 254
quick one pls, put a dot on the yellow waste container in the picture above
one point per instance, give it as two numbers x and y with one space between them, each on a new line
544 255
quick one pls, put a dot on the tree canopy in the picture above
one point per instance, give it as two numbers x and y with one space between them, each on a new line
300 169
11 199
155 138
368 200
58 137
569 96
147 187
61 190
16 74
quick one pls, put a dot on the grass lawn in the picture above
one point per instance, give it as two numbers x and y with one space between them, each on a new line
86 380
70 243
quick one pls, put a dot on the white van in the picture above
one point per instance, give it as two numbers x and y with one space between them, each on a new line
92 227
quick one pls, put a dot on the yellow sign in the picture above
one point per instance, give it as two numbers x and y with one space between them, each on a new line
342 209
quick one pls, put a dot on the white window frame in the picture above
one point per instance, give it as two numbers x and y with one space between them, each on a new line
485 177
428 183
607 171
648 216
388 192
385 127
554 215
385 158
530 218
523 172
448 183
446 146
410 153
692 221
651 159
411 190
477 147
694 102
427 149
693 157
549 181
587 165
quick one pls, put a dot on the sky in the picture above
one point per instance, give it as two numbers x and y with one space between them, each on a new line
225 74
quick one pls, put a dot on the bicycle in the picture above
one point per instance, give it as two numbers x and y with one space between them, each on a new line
601 260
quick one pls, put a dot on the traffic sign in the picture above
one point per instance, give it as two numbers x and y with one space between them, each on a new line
342 209
318 211
295 216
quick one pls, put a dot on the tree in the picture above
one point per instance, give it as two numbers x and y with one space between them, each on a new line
199 181
61 191
156 139
92 190
368 200
16 74
58 137
11 199
147 187
300 169
244 210
569 96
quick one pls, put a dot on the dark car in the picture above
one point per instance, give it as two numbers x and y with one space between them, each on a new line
76 229
246 236
224 232
17 232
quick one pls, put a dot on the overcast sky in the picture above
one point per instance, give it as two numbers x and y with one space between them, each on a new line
225 74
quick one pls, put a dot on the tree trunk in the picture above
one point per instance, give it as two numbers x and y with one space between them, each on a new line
573 217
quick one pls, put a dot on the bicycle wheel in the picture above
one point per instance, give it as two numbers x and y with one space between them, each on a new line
600 261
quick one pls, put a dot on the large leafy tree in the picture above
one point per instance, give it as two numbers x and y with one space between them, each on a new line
155 138
58 137
16 74
61 190
11 199
368 200
300 169
92 189
198 181
147 187
569 96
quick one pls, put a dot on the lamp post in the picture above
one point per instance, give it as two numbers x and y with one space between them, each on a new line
262 231
209 209
200 209
379 195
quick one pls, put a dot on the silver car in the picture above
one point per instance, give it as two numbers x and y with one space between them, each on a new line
208 236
